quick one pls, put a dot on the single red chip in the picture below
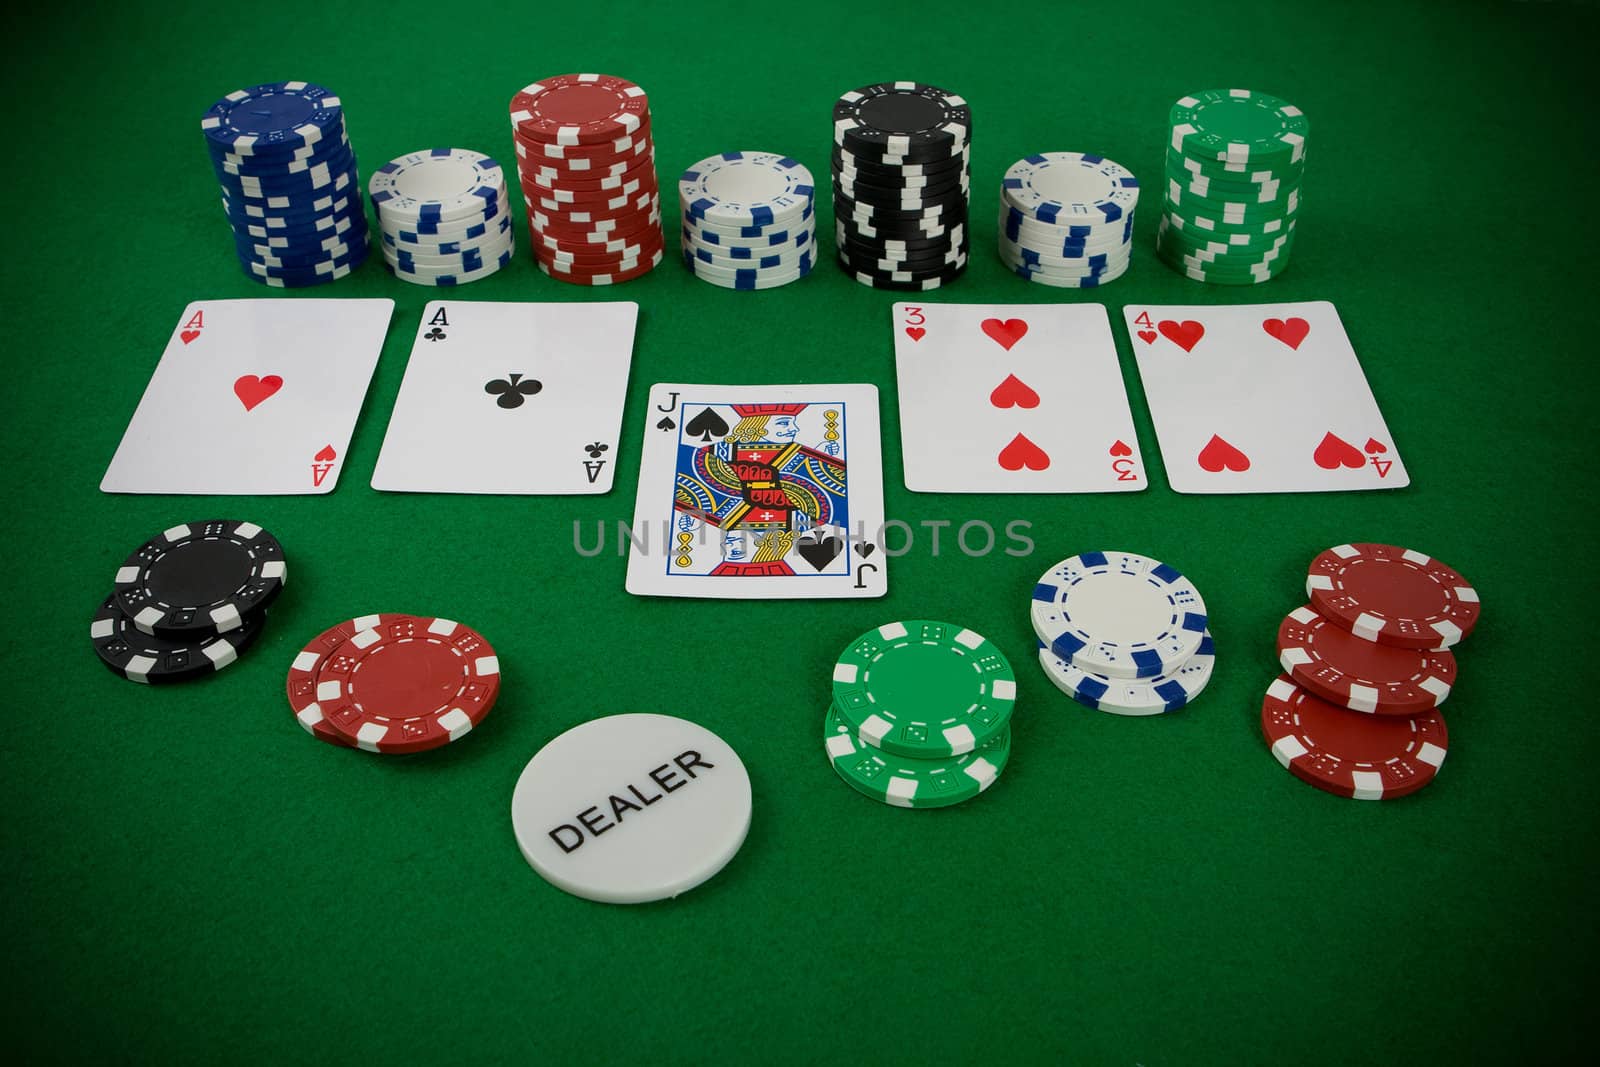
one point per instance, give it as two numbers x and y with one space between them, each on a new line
536 183
564 233
1351 755
579 109
1393 596
1337 665
599 258
644 266
578 156
409 684
304 672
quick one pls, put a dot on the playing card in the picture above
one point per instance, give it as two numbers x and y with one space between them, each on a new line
1000 398
252 397
759 491
1261 398
510 398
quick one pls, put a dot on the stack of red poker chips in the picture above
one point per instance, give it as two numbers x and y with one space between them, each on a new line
588 173
1368 662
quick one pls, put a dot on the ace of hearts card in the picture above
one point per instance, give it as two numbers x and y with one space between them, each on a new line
759 492
252 397
1261 398
1013 398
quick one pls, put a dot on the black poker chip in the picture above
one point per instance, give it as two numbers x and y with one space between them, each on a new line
145 658
939 213
905 281
201 578
846 233
905 121
870 170
906 199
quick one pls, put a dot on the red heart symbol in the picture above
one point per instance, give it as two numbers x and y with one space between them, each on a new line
325 454
1219 455
1290 331
1012 393
1005 333
1021 453
1185 334
188 335
916 333
1120 449
1147 336
252 390
1375 446
1335 452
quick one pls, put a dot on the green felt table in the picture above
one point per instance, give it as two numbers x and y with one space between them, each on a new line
189 877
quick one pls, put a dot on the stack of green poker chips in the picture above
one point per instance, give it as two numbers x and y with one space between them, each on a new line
921 714
1234 167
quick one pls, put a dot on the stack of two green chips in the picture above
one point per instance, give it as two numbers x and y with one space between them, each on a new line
1235 160
921 714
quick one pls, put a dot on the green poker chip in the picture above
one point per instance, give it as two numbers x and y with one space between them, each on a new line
913 783
1238 126
924 689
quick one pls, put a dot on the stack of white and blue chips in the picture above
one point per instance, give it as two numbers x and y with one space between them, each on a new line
444 218
1066 219
290 186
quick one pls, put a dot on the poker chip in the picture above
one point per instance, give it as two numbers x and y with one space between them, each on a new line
287 173
924 689
1119 614
1133 696
1362 757
408 684
748 220
144 658
1392 596
904 782
444 215
304 672
631 808
1234 164
586 167
1362 675
200 578
1066 219
900 169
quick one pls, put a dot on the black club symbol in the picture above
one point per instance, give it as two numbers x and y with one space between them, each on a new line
512 392
596 450
434 334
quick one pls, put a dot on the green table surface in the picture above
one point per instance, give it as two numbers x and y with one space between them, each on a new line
189 877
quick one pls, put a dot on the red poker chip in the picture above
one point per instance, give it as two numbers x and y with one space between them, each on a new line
571 201
593 232
556 171
579 109
409 683
1360 675
542 183
644 267
1350 755
597 210
304 672
1392 595
607 257
589 242
582 157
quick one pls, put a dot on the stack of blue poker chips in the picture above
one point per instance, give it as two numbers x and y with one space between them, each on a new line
290 185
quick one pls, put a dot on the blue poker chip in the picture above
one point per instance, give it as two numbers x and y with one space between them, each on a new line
257 167
275 115
340 168
333 251
1133 696
291 218
441 233
1119 614
354 258
746 189
295 228
436 187
1059 188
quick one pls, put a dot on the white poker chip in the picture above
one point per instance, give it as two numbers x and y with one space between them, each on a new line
438 184
1119 614
745 189
631 808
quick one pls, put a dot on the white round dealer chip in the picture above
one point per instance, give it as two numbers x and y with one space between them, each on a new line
631 808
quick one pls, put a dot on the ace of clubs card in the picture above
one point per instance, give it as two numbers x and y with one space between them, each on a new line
512 398
759 492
